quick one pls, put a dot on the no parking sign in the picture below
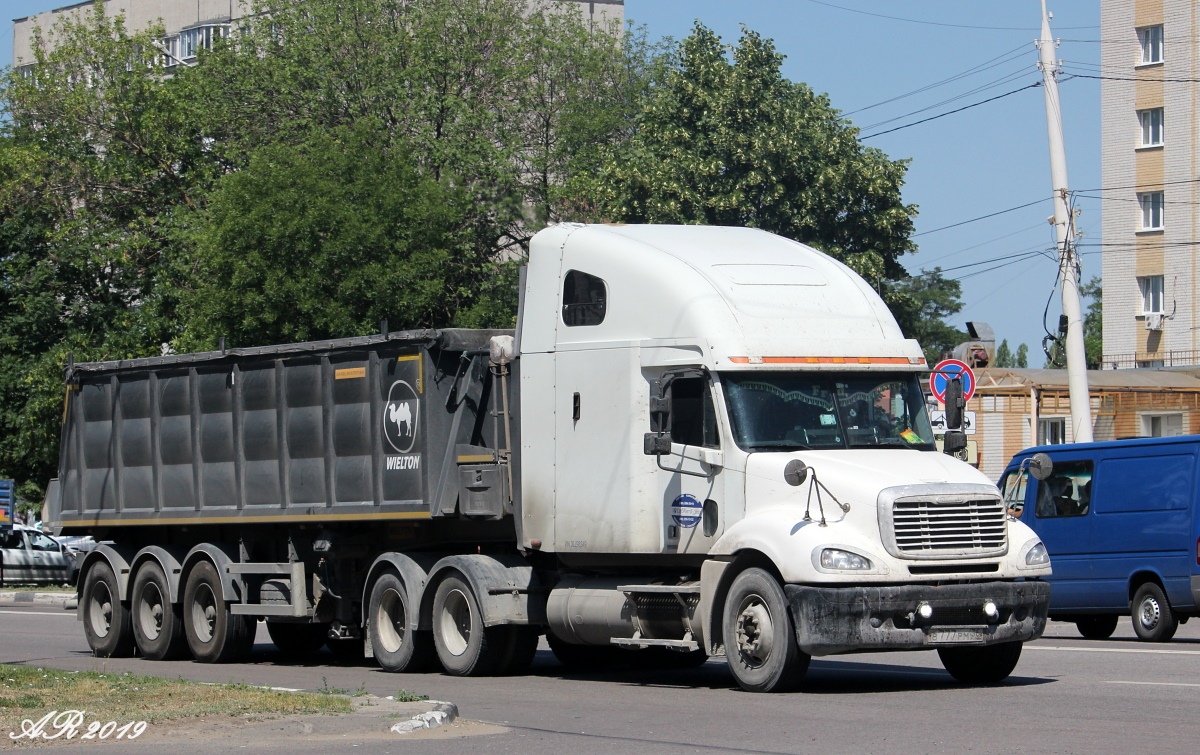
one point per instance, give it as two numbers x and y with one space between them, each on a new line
945 371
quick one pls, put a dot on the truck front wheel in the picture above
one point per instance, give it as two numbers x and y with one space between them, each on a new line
397 646
760 641
464 645
214 634
157 623
990 664
106 622
1097 627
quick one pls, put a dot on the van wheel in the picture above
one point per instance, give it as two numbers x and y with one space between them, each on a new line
1153 619
1097 627
106 621
464 645
397 646
297 639
990 664
760 640
157 623
213 633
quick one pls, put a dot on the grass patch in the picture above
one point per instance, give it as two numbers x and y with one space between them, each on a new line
404 696
66 590
27 692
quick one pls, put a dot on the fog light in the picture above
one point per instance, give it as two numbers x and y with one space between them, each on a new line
991 611
925 611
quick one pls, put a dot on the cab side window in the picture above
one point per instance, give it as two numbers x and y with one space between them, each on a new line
40 542
585 299
693 416
1067 491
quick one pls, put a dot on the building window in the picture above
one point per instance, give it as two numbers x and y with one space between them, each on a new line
1152 294
1152 210
1150 39
1162 425
1052 431
186 45
585 299
1152 127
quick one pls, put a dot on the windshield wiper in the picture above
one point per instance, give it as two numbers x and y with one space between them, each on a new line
780 445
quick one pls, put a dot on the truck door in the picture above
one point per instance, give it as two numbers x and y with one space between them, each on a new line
1062 517
690 486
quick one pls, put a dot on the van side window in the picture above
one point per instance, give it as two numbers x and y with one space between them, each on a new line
584 299
693 418
1012 488
1067 491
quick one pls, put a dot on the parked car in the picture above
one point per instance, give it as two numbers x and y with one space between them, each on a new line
1120 520
28 556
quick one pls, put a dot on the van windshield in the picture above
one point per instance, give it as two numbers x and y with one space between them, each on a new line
780 411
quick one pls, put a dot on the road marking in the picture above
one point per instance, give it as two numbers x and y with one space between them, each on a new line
1159 684
1112 650
42 613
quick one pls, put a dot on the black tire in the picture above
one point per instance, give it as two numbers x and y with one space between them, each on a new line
670 660
464 645
157 623
586 659
213 633
349 650
106 621
989 664
1097 627
1153 619
297 640
397 646
520 647
760 639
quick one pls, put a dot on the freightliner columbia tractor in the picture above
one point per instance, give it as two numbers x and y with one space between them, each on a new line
697 442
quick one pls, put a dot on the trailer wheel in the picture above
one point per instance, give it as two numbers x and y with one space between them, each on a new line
760 641
990 664
297 640
1153 619
106 621
464 645
520 646
157 623
214 634
1097 627
397 646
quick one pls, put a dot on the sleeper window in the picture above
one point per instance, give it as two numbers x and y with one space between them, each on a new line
585 298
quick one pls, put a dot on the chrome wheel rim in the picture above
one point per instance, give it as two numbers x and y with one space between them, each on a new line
454 625
100 609
390 620
150 611
204 613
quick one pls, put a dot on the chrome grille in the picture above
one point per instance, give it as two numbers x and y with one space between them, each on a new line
952 528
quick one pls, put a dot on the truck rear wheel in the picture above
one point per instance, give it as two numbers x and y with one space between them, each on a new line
464 645
1097 627
760 640
214 634
106 622
157 623
520 646
397 646
990 664
297 640
1153 619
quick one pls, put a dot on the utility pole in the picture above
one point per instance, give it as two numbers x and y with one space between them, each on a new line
1064 227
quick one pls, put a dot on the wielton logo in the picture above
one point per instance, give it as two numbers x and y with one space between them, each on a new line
401 415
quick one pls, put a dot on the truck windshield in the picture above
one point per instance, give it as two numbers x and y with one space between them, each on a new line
779 411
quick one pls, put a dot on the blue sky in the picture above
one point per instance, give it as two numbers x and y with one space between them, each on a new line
986 159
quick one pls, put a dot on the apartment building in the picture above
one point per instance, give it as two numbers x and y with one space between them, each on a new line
192 25
1149 142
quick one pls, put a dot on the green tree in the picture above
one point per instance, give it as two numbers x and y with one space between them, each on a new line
1022 360
733 142
1004 355
921 304
1093 322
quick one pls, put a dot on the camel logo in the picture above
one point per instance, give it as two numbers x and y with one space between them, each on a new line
400 416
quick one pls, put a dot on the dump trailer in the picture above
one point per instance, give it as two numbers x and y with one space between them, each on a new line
697 441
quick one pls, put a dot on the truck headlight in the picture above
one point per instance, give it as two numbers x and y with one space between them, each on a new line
833 558
1037 556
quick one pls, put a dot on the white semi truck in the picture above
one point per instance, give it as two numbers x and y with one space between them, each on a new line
698 442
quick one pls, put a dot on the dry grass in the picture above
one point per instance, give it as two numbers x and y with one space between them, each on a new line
27 692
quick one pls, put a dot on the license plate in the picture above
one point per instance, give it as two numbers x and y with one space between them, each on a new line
956 636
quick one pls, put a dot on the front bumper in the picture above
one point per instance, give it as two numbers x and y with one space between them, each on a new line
833 620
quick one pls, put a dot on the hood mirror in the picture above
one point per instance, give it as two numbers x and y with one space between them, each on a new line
795 473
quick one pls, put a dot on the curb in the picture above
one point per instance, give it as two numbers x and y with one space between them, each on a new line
442 714
24 598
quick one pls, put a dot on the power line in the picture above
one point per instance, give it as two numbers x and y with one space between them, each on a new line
1132 78
982 217
950 112
1139 186
938 23
984 243
1007 78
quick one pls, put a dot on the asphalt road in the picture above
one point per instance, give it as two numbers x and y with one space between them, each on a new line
1068 695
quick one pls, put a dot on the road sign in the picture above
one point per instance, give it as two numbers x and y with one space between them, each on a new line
938 420
6 504
946 370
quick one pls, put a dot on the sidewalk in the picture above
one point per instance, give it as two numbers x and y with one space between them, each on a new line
29 597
